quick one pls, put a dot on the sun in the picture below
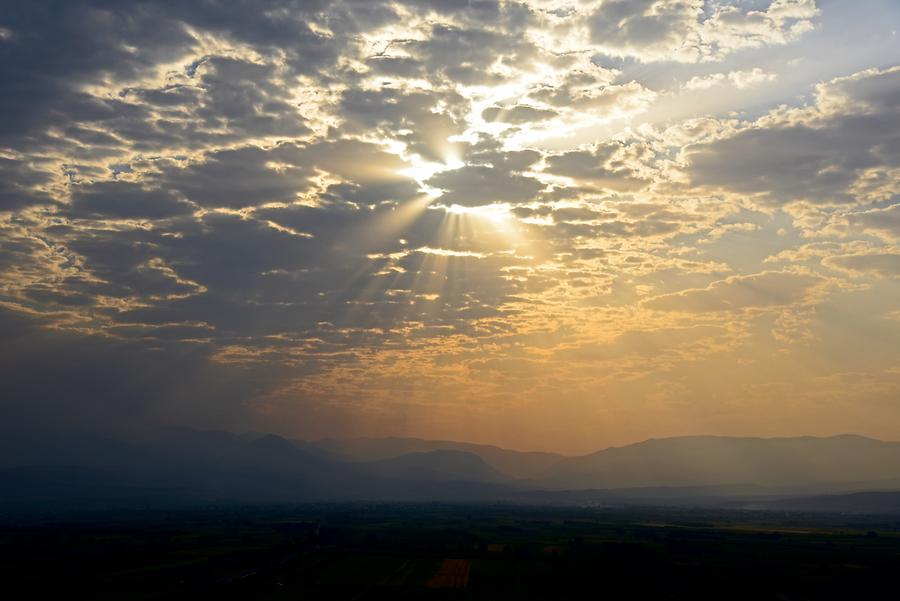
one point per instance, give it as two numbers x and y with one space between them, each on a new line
497 213
421 171
493 226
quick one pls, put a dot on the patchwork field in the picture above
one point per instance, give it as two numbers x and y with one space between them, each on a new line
449 552
453 573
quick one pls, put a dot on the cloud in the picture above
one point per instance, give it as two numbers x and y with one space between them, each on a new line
399 208
496 177
607 166
593 92
467 55
54 50
253 175
124 200
239 177
669 343
517 114
20 185
829 152
423 119
739 79
876 263
880 222
757 291
694 30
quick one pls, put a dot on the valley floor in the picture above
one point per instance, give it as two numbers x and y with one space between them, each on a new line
357 551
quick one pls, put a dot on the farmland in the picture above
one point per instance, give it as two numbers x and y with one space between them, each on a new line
357 551
452 573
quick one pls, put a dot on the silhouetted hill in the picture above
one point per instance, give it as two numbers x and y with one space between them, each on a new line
782 463
82 470
438 466
518 464
59 470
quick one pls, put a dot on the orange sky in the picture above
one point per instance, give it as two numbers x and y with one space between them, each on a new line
544 224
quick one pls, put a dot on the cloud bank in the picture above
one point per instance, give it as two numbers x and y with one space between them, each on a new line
340 217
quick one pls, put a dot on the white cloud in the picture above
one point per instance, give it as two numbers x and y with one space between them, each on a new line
695 30
739 79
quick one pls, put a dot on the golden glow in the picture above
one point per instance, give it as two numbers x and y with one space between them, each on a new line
422 171
620 246
495 213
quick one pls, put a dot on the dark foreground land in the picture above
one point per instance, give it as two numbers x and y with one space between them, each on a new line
449 552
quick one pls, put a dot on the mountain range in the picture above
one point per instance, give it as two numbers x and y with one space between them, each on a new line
74 470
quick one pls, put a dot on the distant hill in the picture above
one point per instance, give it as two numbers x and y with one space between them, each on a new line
517 464
788 464
67 470
796 464
873 502
172 466
438 466
59 470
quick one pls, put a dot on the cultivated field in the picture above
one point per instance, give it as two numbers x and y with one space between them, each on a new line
453 573
449 552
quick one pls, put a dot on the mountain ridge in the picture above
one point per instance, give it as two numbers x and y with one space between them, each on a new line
215 466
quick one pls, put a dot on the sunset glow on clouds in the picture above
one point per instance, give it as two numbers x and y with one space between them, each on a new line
545 224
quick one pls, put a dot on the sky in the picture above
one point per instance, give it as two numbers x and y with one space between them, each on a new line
542 224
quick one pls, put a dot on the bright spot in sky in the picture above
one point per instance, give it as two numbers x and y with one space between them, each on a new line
630 219
422 170
496 213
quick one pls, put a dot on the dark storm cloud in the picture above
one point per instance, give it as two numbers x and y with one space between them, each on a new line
123 265
123 200
18 185
55 47
237 95
238 178
225 100
219 256
229 253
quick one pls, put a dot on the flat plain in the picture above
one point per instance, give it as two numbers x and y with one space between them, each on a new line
432 551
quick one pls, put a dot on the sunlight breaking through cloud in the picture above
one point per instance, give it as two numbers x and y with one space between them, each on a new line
584 222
